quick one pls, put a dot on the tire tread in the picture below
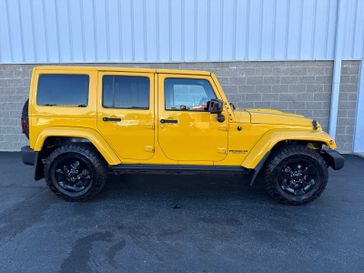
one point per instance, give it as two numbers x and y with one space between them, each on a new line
98 164
277 157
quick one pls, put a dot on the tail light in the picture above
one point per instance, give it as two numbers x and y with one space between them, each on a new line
24 126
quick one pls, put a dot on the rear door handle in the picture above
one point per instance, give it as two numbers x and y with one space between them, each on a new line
111 119
168 121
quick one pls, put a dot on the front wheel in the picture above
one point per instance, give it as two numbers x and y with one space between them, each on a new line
295 175
75 172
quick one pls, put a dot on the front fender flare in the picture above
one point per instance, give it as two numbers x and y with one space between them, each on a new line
272 137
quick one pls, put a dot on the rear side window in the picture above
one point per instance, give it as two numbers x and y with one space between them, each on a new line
63 90
125 92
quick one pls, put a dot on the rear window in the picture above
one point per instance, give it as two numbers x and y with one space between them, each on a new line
125 92
63 90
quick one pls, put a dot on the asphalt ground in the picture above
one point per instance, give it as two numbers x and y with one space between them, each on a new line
153 223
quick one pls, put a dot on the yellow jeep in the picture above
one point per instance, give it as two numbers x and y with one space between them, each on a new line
84 121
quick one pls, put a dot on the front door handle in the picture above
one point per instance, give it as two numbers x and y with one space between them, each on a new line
168 121
111 119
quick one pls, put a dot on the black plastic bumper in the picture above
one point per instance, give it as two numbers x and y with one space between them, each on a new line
334 159
28 155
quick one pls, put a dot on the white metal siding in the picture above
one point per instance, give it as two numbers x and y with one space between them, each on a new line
66 31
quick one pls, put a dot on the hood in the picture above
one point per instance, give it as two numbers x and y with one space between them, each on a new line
271 116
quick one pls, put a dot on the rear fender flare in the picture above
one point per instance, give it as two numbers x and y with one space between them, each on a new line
91 135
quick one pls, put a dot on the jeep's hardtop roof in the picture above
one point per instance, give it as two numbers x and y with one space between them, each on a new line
120 69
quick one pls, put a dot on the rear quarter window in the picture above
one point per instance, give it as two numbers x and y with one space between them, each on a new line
63 90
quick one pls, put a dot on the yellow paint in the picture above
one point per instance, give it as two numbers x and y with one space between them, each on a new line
197 139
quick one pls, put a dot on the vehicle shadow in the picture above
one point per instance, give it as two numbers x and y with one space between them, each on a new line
183 188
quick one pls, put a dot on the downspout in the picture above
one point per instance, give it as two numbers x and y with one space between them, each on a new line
336 75
359 120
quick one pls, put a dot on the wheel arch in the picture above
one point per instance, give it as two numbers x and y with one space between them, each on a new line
274 139
51 138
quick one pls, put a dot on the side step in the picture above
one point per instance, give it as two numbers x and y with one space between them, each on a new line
177 169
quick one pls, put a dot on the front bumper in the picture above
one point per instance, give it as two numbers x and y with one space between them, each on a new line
28 155
334 159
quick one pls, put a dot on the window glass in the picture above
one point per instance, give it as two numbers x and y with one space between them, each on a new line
63 90
126 92
187 94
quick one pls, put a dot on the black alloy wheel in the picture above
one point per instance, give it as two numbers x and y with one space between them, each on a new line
73 175
298 176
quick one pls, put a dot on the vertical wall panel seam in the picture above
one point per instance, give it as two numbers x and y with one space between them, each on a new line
183 30
94 30
46 39
287 28
221 44
120 33
145 37
9 30
274 27
107 29
313 31
195 28
21 31
82 31
260 36
247 36
157 29
355 28
234 29
208 33
328 20
300 44
70 33
169 30
32 31
132 30
57 30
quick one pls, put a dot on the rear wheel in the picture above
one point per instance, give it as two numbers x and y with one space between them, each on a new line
75 172
295 175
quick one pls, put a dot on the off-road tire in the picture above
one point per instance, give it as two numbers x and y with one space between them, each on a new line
83 152
289 152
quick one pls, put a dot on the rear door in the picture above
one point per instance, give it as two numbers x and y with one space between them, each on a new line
126 113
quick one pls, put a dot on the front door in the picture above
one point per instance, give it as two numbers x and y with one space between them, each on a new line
126 113
186 130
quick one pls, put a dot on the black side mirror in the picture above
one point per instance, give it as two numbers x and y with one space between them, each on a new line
216 106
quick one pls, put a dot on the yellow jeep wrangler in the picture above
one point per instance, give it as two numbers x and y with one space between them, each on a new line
84 121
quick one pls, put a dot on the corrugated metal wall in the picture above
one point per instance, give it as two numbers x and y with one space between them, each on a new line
66 31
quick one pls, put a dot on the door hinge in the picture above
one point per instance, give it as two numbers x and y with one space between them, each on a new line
149 149
222 150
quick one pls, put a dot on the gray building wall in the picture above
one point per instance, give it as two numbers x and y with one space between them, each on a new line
302 87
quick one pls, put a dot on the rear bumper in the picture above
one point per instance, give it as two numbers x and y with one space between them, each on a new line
28 155
334 159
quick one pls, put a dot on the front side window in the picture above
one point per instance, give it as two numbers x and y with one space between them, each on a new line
63 90
187 94
125 92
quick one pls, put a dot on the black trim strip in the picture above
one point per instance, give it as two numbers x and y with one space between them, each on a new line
159 168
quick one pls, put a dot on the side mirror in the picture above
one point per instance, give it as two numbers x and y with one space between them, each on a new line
215 106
